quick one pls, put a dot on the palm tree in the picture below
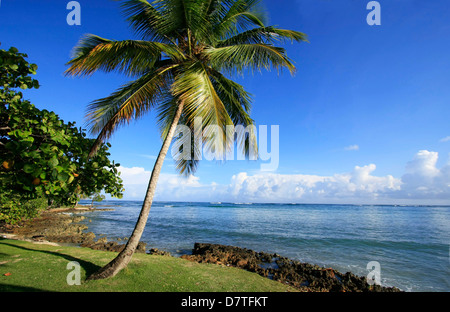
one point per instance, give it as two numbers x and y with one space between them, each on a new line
181 69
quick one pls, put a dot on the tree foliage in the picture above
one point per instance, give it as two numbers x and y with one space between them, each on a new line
41 156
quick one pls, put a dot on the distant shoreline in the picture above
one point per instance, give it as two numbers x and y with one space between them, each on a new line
269 204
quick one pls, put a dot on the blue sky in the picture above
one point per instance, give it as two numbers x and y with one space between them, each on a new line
365 119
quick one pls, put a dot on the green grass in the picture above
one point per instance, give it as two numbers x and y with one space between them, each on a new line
42 267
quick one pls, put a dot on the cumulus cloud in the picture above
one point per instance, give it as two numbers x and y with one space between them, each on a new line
423 165
422 181
170 186
312 188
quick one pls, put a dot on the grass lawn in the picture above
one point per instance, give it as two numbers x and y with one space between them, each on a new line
26 266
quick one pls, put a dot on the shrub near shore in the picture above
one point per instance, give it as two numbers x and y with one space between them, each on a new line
43 160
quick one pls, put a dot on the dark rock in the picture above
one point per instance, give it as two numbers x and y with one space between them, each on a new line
38 237
157 252
304 276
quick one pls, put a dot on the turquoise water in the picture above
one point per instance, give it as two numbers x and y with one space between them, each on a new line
411 243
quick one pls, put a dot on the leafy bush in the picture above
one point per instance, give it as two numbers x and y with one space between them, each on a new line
17 208
41 156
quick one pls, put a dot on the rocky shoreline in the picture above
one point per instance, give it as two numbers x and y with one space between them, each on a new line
62 226
303 276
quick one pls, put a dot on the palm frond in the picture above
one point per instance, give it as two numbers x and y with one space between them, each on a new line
188 146
264 35
237 16
237 101
238 58
130 102
131 57
238 104
146 19
186 152
195 88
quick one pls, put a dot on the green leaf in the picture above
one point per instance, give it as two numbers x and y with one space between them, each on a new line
28 168
53 162
63 177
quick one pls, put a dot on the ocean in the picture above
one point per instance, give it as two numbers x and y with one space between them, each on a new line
410 243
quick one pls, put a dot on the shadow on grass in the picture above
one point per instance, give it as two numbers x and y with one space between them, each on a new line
15 288
89 267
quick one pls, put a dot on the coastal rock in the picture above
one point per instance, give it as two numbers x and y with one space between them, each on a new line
141 247
304 276
102 244
102 240
157 252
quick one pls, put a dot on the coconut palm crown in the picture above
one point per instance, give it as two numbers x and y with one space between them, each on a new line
180 67
186 53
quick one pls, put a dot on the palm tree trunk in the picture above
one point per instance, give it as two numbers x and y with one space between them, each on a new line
124 257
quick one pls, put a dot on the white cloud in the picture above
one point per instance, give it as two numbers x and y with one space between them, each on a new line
423 165
170 186
354 147
422 181
446 139
358 184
